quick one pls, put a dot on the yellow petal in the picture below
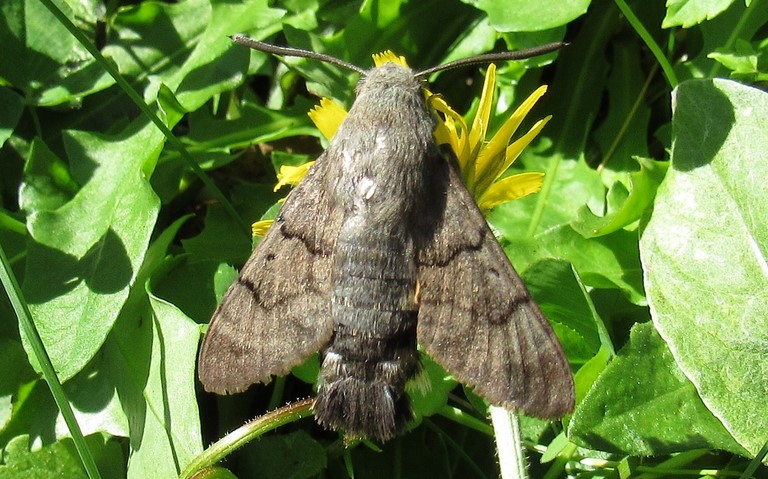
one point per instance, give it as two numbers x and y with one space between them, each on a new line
260 228
517 147
511 188
482 118
496 166
292 175
327 117
451 130
387 56
490 162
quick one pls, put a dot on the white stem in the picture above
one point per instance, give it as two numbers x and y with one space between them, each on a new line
508 443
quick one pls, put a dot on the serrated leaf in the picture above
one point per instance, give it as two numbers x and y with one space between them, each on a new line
704 251
84 255
181 54
687 13
630 208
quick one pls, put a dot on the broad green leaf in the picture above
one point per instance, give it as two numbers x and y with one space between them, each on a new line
151 355
84 255
48 65
190 284
92 393
530 15
60 459
217 240
216 64
49 177
687 13
192 54
93 400
628 408
704 251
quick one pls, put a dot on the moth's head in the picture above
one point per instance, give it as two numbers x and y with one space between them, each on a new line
389 79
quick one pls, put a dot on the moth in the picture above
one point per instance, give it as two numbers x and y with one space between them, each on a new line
381 247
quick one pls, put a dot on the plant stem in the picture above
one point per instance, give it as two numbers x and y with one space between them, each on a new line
508 443
13 290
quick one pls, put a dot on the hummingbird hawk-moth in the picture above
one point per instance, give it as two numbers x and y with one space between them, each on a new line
381 247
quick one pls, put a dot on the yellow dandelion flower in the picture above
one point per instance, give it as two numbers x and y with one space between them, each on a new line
482 162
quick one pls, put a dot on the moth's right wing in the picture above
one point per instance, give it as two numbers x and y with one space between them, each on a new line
277 312
477 319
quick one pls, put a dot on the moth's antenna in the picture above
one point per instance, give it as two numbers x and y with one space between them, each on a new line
494 57
294 52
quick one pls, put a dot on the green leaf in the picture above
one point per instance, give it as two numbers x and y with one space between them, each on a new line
11 106
628 408
687 13
49 65
13 362
630 207
182 55
151 356
60 459
200 77
738 22
704 251
610 261
529 15
275 456
742 60
573 185
429 394
563 300
621 135
84 255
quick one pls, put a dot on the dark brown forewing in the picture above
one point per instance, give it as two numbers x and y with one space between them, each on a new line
477 319
277 312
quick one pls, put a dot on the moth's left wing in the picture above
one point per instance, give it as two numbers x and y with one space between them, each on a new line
277 312
477 319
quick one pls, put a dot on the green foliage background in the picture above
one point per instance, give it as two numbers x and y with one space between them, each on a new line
647 247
